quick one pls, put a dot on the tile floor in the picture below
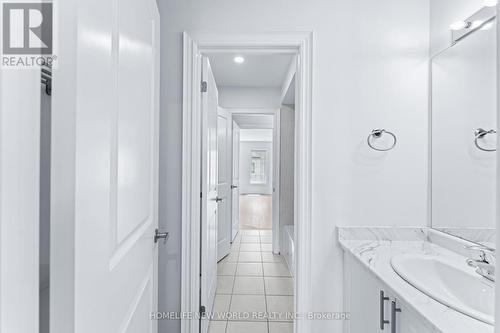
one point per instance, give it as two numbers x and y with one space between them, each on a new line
253 281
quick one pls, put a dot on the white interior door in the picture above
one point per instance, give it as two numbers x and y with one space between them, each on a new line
19 200
209 170
224 183
235 202
105 168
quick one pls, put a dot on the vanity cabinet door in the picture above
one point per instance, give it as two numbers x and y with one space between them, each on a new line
407 321
369 303
362 299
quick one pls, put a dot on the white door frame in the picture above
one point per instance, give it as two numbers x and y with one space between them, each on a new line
276 166
300 43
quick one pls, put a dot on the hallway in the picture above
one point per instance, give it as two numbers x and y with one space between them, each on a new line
254 289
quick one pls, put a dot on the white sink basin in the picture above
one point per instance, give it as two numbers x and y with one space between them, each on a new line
458 287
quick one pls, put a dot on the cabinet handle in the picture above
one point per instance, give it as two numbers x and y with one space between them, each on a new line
383 322
394 311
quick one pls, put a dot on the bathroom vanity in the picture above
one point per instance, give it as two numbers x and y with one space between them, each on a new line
435 299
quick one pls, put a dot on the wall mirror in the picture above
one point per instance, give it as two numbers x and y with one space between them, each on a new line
464 124
258 168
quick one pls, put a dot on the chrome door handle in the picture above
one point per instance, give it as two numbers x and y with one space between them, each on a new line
219 199
233 187
382 300
394 312
161 235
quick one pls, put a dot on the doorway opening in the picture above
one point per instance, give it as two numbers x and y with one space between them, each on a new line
239 259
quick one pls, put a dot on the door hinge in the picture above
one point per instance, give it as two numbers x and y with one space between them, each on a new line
201 195
203 311
204 86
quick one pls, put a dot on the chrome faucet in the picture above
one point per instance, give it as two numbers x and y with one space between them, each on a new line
485 265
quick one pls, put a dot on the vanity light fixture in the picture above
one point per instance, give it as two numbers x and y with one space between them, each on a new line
476 24
479 20
488 26
459 25
239 59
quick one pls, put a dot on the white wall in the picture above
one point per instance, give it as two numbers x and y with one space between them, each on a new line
19 199
234 97
444 13
370 70
246 148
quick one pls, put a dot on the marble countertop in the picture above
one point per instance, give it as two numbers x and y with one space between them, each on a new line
374 248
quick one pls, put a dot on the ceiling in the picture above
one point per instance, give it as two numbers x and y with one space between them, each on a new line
258 70
254 121
263 135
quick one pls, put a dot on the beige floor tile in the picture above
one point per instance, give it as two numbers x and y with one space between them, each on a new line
266 247
279 286
250 239
275 327
217 327
247 285
227 268
266 239
250 257
221 306
275 269
250 247
235 247
225 284
248 308
249 232
249 269
246 327
271 257
280 308
231 257
266 232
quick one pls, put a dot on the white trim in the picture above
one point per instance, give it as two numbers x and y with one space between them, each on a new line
300 43
497 307
276 182
289 78
191 178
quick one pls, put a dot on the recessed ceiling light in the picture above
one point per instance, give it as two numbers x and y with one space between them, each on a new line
490 3
239 59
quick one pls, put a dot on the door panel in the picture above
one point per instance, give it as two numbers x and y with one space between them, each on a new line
136 115
115 170
224 186
235 207
209 228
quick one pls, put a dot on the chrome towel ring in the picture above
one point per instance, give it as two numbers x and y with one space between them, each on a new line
376 134
481 133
